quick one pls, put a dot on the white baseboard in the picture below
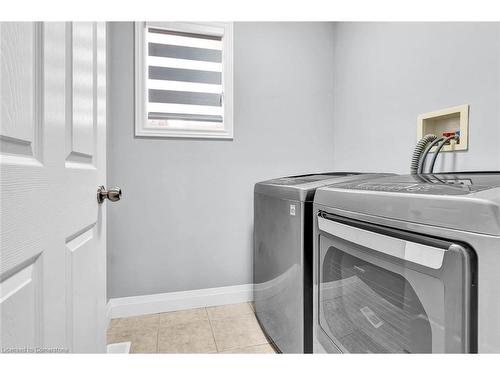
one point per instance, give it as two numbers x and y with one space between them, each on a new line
190 299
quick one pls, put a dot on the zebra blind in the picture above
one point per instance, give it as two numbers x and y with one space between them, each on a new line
184 77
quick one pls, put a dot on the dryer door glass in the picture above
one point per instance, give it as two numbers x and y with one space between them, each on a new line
383 294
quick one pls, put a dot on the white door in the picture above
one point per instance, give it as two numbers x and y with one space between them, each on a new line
52 158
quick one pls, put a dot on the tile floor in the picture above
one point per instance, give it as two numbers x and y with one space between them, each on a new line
217 329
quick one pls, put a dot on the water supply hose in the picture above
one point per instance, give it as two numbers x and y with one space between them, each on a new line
419 149
423 158
446 140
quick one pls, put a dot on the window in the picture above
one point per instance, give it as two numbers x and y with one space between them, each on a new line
184 80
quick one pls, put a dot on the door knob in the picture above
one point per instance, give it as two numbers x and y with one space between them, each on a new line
114 194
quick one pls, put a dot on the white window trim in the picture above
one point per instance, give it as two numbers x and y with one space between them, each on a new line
196 129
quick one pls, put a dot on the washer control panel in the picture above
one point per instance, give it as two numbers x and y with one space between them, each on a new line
407 188
425 184
387 187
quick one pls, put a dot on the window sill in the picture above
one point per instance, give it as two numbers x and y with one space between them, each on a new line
180 133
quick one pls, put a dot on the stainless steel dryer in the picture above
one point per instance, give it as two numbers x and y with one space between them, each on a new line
408 264
283 257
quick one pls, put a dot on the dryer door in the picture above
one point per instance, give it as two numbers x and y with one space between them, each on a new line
388 291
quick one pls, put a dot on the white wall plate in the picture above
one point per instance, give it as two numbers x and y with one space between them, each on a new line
446 120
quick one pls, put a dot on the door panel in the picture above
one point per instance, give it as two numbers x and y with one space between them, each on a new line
20 132
52 158
20 307
81 122
82 279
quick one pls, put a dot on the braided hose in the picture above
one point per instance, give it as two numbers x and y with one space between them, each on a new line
419 149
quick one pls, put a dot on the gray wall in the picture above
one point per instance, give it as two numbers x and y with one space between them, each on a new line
185 220
386 74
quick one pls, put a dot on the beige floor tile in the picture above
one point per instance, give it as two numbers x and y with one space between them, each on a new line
183 316
136 322
195 337
257 349
144 340
115 335
229 311
237 333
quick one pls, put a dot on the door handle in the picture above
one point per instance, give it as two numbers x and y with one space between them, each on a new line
113 194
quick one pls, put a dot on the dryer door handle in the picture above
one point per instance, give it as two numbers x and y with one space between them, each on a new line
415 252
